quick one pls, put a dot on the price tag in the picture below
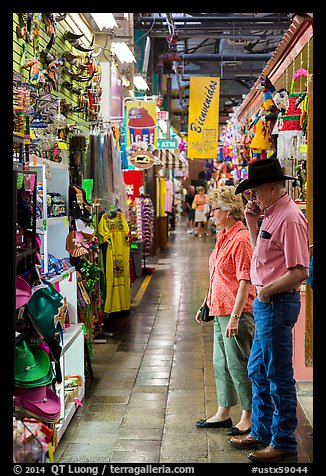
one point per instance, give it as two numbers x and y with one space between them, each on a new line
65 275
65 221
303 148
44 224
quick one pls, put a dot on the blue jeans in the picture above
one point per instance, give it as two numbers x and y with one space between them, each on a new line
274 400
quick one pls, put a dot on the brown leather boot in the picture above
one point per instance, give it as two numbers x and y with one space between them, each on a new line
271 455
246 442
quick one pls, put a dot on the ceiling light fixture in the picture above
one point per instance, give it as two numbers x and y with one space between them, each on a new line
104 20
140 83
123 52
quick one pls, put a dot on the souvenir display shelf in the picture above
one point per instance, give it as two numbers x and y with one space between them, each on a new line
54 177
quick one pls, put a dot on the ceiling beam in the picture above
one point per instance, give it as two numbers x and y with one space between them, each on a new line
216 27
219 36
226 57
227 19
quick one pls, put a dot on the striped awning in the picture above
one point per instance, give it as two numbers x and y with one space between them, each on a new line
172 160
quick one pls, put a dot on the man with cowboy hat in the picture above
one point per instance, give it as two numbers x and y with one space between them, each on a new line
279 265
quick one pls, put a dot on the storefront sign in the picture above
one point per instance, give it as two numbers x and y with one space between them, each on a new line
167 144
203 117
142 159
162 115
134 182
141 122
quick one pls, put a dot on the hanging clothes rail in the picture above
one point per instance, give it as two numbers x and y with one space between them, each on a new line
104 164
114 119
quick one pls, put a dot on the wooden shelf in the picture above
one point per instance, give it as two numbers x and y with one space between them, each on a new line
51 221
69 413
62 276
51 163
70 335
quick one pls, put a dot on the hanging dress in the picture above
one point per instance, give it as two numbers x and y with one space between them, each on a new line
115 232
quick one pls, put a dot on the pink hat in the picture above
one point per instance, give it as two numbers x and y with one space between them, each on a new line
87 231
43 402
79 237
38 242
23 292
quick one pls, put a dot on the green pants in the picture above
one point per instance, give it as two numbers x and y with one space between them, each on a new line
230 360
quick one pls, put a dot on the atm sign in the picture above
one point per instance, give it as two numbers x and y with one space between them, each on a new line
167 144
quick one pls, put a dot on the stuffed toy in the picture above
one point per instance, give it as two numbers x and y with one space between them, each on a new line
290 135
281 100
262 140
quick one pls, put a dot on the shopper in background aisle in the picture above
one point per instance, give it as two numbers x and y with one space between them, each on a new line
199 205
279 266
230 299
189 198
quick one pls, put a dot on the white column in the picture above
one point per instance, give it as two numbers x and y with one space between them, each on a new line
105 108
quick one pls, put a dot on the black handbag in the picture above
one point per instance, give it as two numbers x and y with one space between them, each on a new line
204 313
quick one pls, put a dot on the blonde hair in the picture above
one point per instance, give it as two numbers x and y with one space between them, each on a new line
200 188
227 200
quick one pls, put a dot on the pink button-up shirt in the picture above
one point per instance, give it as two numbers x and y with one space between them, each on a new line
282 242
229 263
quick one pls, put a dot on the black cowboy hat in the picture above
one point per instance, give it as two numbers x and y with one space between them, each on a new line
262 171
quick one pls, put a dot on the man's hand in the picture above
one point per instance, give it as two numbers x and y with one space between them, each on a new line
252 215
262 294
252 212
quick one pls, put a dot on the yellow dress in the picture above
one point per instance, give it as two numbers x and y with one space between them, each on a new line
162 197
115 232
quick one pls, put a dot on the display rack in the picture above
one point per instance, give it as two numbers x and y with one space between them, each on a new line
53 232
72 363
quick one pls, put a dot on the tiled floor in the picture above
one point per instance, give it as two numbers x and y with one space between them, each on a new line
154 377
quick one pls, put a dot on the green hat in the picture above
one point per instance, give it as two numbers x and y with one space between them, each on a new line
47 380
31 365
47 309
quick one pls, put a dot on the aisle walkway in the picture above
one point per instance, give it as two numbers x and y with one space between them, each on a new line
154 377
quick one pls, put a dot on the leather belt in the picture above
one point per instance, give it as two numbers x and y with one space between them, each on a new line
277 294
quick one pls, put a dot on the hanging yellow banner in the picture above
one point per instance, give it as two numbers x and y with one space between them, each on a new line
204 95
